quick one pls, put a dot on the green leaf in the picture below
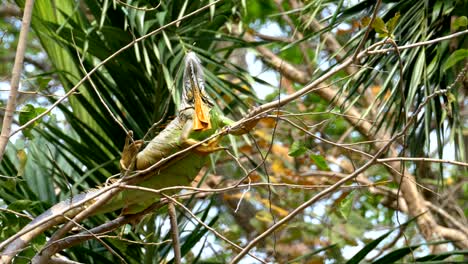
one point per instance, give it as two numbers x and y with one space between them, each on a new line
392 22
320 161
441 256
457 56
368 248
346 205
297 149
272 96
127 228
9 184
460 22
393 256
27 113
168 42
365 21
308 255
379 26
21 205
43 82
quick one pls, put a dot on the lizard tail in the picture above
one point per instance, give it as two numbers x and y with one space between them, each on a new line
18 244
54 216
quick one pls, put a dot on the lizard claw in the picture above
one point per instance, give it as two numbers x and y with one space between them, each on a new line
253 116
130 150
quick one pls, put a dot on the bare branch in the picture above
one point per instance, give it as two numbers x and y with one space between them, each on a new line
402 159
98 231
210 228
174 232
422 43
330 189
15 77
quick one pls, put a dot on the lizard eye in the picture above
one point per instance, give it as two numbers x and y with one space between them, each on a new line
189 95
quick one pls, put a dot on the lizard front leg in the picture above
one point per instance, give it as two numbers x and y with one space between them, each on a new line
130 150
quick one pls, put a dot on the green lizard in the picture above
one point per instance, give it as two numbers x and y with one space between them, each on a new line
197 120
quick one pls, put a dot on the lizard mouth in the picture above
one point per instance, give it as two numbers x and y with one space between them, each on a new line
201 117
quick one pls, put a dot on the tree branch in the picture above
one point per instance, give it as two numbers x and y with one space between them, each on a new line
15 77
414 199
174 232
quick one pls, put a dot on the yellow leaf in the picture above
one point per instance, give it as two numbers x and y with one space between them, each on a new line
264 216
236 196
280 211
449 181
23 158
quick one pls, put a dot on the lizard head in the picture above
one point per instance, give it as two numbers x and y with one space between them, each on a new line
194 94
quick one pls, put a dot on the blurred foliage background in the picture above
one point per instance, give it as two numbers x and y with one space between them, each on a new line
253 52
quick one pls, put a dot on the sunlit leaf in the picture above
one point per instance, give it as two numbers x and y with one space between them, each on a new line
365 21
395 255
460 22
168 42
454 58
264 216
346 205
392 22
320 161
23 158
43 82
27 113
379 26
21 205
297 148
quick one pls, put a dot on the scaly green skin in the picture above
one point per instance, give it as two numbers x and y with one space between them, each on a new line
179 172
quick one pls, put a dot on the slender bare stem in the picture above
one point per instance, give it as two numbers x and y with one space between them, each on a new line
422 43
174 232
209 227
368 30
335 186
15 77
402 159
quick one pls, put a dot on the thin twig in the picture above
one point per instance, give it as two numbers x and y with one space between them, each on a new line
78 218
174 232
15 213
16 76
330 189
80 59
209 227
41 256
453 162
99 65
50 219
422 43
102 229
138 8
368 30
448 217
